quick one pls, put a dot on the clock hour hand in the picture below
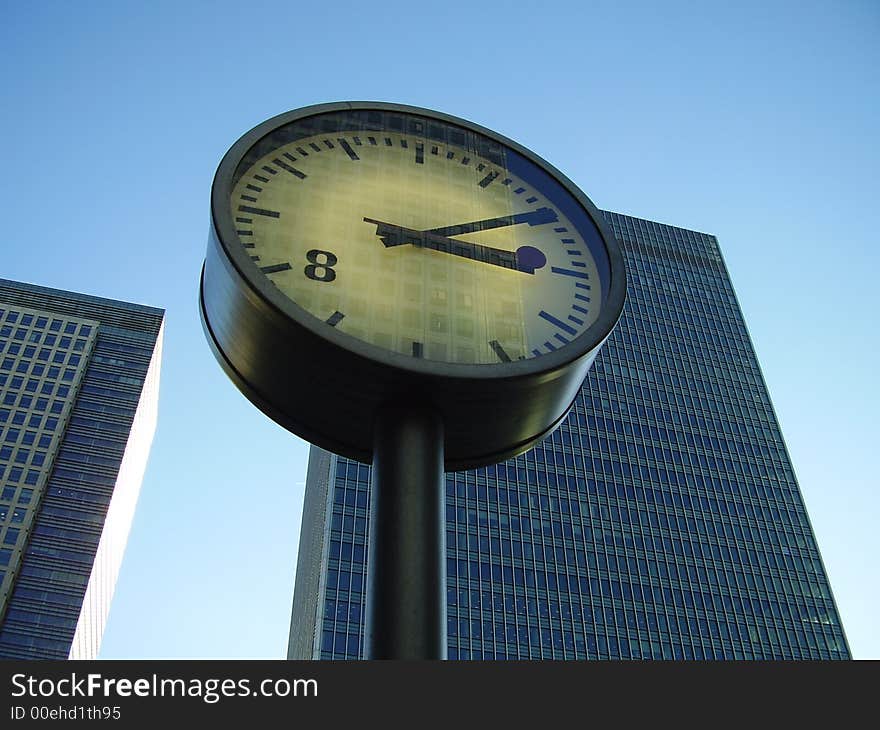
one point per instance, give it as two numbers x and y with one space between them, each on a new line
526 258
533 218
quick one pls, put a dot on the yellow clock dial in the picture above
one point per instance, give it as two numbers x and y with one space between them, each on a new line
418 246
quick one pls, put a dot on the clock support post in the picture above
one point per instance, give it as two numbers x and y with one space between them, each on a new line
270 309
406 567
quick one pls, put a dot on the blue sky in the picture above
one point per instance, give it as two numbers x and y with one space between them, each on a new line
757 122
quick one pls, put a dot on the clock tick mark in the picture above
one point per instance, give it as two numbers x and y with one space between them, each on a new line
568 272
302 151
270 170
261 178
259 211
334 319
488 180
546 316
292 170
275 268
499 351
348 149
314 147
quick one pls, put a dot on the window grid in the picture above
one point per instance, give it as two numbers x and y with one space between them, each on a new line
85 390
39 373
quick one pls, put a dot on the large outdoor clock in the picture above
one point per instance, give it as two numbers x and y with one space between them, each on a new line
364 255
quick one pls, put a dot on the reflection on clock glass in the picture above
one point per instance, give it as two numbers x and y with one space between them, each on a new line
420 237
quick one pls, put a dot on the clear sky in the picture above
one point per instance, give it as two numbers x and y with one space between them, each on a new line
754 121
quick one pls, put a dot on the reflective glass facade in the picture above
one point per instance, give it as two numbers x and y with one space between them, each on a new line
662 520
78 396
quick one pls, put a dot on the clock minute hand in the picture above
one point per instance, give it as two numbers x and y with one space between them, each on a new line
533 218
526 258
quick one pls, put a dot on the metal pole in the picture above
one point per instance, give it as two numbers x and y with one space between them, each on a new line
406 565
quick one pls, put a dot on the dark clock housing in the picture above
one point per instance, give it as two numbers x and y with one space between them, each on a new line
327 386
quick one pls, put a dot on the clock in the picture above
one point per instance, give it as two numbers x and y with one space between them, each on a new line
366 254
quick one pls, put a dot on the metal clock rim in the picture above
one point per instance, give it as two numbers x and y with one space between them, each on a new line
222 220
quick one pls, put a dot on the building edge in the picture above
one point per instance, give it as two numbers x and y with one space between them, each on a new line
120 514
305 619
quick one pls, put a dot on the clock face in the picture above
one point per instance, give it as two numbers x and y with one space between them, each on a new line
419 237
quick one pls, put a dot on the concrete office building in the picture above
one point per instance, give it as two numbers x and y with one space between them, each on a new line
662 520
79 380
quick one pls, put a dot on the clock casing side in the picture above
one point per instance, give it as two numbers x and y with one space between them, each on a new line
330 396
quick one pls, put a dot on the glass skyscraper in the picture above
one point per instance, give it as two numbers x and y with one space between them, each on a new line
662 520
79 380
